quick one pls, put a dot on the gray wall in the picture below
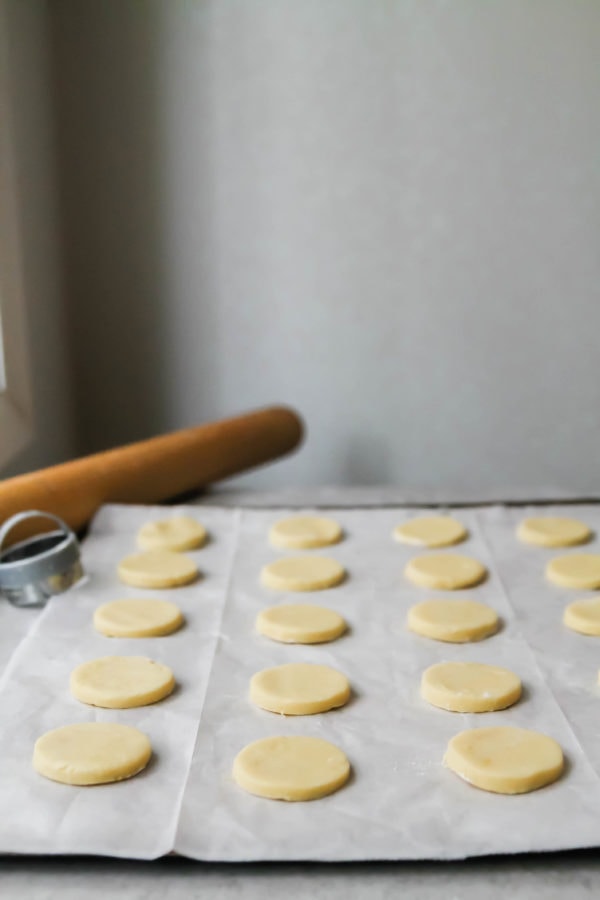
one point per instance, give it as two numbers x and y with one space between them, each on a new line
385 213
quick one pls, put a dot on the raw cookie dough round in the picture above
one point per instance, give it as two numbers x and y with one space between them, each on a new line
299 689
291 768
553 531
583 616
302 573
470 687
157 569
177 534
445 571
91 753
455 621
121 682
577 570
504 759
300 623
431 531
303 532
137 617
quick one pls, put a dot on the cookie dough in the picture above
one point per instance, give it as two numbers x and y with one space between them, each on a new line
137 618
445 571
299 689
177 533
300 623
91 753
553 531
291 768
577 570
302 573
470 687
431 531
583 616
455 621
157 569
303 532
504 759
121 682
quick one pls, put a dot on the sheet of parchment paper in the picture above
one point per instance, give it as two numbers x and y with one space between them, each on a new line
401 803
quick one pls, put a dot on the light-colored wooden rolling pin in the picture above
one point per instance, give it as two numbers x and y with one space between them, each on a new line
153 470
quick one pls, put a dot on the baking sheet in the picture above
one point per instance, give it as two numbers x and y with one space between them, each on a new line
401 803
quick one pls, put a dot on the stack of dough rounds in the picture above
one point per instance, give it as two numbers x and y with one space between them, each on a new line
121 682
91 753
504 759
302 573
177 533
304 532
157 569
455 621
300 623
583 616
577 570
470 687
553 531
431 531
291 768
299 689
445 571
137 618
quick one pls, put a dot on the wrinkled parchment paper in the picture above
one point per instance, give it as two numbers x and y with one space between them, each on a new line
401 803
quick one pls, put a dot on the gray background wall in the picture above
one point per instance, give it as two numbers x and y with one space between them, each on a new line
385 213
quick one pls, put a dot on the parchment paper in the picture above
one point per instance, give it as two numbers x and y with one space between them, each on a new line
401 803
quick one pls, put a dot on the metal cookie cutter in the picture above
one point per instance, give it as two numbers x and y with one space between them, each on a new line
45 564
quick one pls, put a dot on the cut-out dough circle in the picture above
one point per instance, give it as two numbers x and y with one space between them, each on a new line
454 621
576 570
299 689
302 573
300 623
91 753
470 687
583 616
445 571
304 532
137 618
157 569
431 531
177 533
121 682
553 531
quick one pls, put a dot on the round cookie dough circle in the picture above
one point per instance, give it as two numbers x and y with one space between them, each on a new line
454 621
300 623
431 531
121 682
470 687
445 571
177 533
553 531
291 768
137 618
577 570
583 616
157 569
91 753
299 689
504 759
302 573
304 532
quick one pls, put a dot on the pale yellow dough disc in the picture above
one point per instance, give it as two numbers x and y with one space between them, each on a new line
291 768
583 616
121 682
431 531
578 570
300 623
303 532
157 569
455 621
504 759
302 573
137 618
470 687
445 571
553 531
177 533
299 689
91 753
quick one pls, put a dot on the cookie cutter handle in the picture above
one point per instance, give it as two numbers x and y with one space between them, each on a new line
15 520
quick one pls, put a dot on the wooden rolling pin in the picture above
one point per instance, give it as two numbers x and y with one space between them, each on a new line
153 470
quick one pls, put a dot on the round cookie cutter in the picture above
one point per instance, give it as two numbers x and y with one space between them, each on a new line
35 569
